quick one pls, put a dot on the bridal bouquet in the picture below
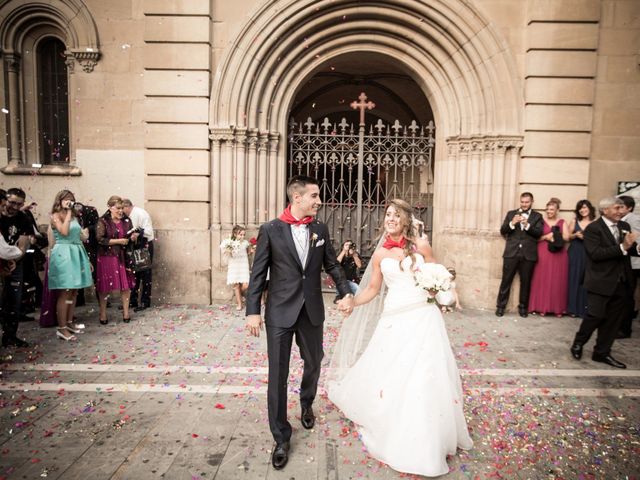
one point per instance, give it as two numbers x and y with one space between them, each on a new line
434 278
231 247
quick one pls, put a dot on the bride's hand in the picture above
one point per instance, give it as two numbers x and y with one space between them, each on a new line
345 305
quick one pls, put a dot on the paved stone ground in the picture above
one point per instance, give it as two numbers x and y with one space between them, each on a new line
179 393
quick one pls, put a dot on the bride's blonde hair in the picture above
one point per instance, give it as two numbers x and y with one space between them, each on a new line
406 221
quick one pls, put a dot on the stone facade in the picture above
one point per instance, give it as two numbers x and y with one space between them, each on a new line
182 105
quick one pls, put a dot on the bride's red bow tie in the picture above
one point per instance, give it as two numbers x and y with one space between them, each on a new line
390 243
287 217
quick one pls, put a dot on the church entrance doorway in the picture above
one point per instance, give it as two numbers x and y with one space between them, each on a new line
365 130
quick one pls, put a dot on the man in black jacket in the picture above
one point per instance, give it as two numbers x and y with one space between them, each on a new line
609 243
521 228
293 249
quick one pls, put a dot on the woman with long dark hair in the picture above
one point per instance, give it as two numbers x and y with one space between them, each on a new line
585 213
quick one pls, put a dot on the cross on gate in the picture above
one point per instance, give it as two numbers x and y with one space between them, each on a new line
362 105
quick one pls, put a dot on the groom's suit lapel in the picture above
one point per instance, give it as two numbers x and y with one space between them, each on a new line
313 230
285 228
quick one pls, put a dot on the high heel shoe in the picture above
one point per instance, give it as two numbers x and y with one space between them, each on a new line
126 320
64 337
104 322
73 328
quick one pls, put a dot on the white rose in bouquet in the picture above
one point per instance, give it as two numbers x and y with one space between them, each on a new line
433 278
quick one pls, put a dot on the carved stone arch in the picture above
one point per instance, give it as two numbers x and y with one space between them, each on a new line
450 42
464 67
70 17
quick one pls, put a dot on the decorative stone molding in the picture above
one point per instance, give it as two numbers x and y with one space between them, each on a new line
87 60
54 170
220 135
483 143
12 62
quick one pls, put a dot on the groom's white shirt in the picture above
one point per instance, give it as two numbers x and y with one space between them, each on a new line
301 239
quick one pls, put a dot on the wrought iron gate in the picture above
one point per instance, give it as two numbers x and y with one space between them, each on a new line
359 170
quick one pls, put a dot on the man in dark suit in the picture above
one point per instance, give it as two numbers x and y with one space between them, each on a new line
521 228
293 249
609 243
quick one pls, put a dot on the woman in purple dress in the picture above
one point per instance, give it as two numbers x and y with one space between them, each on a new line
112 233
550 280
577 299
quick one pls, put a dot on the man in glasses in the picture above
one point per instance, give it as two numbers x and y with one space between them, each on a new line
14 227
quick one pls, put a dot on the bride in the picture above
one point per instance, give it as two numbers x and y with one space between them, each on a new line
402 388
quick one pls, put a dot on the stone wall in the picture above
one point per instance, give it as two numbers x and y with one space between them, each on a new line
142 125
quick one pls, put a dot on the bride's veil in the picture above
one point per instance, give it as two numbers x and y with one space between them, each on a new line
355 332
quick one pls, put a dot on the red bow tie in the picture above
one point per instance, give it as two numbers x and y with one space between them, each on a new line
287 217
390 243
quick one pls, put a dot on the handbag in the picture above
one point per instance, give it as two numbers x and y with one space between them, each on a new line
140 259
557 243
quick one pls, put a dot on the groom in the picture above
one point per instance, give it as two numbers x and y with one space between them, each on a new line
293 249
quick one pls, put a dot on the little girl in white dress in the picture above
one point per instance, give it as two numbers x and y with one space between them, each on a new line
237 251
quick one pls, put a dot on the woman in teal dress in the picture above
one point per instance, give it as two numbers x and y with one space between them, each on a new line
69 267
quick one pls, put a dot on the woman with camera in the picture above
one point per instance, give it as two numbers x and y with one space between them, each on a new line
114 274
69 268
351 264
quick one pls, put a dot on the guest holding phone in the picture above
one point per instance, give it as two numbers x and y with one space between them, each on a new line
69 267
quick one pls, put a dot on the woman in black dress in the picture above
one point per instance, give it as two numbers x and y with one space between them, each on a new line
577 299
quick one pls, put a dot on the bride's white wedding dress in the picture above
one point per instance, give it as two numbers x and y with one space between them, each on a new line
404 392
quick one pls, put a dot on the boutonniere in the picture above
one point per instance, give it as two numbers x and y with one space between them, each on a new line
314 237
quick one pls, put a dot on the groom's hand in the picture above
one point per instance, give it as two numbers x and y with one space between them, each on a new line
345 305
254 324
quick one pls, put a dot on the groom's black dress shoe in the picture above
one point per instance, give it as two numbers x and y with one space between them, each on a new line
307 418
523 312
499 312
280 455
576 351
609 360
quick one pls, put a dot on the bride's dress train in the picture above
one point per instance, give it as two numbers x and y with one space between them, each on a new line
404 392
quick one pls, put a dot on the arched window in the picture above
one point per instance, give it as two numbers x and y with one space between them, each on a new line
53 102
41 42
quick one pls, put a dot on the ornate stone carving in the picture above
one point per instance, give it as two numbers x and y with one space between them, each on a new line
219 135
482 143
88 58
12 62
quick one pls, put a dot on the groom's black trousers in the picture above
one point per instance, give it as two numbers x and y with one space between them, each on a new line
279 340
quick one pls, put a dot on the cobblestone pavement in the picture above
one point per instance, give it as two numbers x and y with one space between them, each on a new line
179 393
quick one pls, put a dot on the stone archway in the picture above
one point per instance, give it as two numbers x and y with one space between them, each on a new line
463 67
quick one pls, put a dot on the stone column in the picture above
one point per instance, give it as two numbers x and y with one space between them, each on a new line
275 182
263 178
240 177
226 180
12 66
252 177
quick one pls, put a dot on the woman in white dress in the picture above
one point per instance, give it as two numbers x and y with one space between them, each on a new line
403 390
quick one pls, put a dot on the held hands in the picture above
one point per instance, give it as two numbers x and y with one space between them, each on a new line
254 325
346 304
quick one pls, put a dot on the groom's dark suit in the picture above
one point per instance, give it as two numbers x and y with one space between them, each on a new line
294 306
608 279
